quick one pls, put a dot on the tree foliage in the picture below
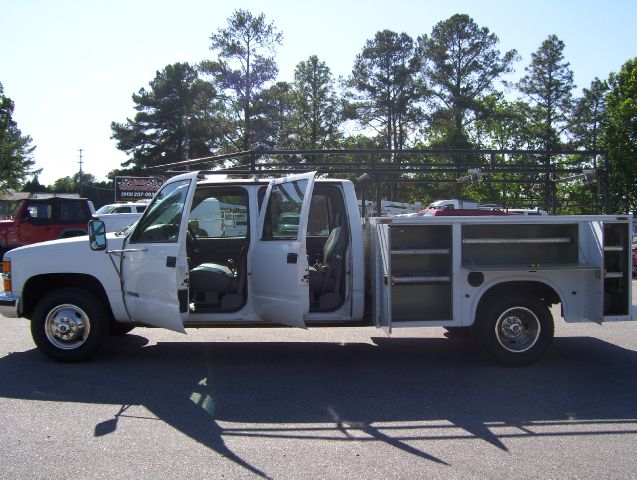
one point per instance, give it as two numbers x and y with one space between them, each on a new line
461 64
244 69
316 115
386 86
586 120
445 90
621 136
16 151
172 121
548 85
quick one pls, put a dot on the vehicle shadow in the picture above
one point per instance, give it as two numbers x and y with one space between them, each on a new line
352 388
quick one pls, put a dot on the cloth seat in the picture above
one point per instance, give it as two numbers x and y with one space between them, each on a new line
326 277
220 278
211 276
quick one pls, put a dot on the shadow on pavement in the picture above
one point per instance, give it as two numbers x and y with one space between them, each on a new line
353 387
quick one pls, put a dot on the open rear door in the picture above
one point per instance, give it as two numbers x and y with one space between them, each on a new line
280 283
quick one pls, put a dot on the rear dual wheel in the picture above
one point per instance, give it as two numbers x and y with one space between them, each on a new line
516 330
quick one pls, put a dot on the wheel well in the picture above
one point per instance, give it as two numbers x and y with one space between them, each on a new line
538 290
38 286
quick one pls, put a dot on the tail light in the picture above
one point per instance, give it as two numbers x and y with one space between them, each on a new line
6 274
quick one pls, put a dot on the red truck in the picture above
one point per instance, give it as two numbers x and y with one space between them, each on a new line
41 219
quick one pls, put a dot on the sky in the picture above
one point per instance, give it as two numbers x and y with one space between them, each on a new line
71 67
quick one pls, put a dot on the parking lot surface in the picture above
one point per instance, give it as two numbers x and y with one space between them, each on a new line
323 403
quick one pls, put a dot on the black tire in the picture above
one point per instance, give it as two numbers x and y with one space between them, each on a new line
69 325
119 328
515 330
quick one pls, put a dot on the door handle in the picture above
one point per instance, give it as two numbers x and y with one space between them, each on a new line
171 262
293 257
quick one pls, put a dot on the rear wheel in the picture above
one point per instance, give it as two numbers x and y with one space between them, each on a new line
515 330
69 325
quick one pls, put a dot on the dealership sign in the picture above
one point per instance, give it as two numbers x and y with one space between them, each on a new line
129 189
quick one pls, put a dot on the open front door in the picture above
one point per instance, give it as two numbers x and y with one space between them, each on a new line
154 264
280 284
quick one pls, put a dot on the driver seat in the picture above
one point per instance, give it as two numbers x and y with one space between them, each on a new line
325 279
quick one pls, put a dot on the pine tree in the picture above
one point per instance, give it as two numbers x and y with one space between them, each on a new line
243 72
548 85
386 86
461 66
173 120
316 106
16 151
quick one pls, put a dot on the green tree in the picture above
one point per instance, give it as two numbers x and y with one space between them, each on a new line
586 128
34 186
64 185
16 151
548 85
503 124
386 86
621 137
317 108
243 71
173 120
461 65
273 113
585 123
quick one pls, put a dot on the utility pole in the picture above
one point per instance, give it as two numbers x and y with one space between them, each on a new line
81 184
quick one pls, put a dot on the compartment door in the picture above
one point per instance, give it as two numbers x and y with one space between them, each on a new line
382 277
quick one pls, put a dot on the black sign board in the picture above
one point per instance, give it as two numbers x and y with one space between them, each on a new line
131 189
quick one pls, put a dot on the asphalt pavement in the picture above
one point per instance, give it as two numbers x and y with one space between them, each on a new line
322 403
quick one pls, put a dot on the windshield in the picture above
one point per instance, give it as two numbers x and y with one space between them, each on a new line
105 209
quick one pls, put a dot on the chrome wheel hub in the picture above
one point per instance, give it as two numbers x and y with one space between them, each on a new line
517 329
67 326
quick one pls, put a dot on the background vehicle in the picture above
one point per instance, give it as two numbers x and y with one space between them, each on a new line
130 207
42 219
117 216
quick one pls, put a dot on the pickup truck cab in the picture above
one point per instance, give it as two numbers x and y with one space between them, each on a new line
169 272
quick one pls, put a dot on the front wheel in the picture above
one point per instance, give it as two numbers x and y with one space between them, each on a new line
69 325
515 330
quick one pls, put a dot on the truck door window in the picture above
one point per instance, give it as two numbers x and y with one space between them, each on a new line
319 220
161 222
219 214
284 210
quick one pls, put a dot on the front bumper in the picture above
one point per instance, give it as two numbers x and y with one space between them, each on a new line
9 305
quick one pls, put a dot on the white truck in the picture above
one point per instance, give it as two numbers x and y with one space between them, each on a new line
494 276
120 215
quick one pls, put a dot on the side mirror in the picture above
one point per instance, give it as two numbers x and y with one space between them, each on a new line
97 235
